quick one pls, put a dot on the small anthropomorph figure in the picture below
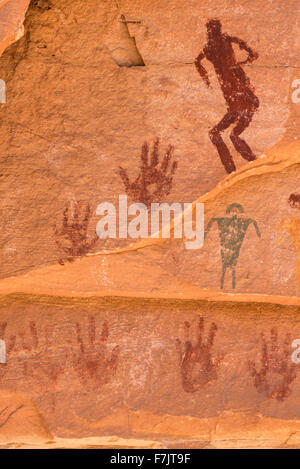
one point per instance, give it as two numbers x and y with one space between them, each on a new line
291 225
238 93
232 231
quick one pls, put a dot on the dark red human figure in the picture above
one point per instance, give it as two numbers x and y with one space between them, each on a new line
238 93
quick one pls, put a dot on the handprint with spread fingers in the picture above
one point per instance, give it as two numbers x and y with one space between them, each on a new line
72 237
277 370
93 363
198 367
154 181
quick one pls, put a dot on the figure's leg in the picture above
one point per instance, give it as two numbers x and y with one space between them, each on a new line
240 145
233 277
223 275
217 140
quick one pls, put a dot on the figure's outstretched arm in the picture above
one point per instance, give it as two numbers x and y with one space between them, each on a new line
211 221
243 46
201 69
256 228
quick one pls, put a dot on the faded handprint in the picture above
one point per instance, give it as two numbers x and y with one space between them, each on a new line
277 370
35 356
72 237
93 363
41 361
154 181
197 364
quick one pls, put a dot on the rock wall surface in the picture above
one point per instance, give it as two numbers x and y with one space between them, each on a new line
130 342
12 14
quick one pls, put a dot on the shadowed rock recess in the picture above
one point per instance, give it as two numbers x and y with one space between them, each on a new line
140 342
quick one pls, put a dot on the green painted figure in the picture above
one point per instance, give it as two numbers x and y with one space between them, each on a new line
232 231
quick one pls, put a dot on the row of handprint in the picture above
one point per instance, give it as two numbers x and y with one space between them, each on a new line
95 362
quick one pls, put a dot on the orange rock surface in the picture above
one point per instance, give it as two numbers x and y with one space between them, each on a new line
143 343
12 14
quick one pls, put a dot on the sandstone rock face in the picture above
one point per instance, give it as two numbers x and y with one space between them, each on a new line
12 13
20 420
124 342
